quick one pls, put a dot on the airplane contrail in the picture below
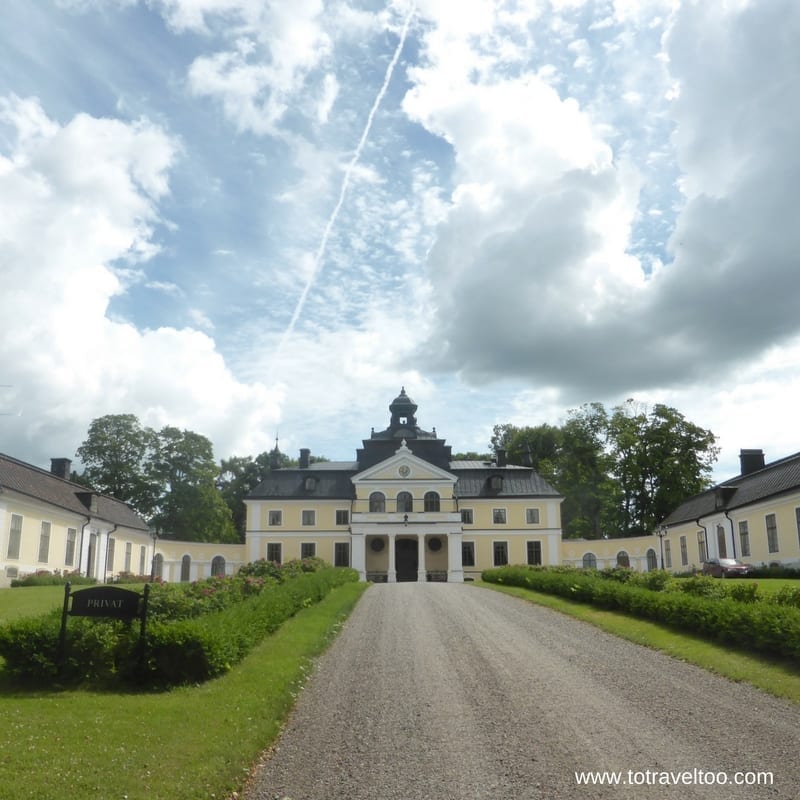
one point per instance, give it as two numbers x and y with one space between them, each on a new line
345 183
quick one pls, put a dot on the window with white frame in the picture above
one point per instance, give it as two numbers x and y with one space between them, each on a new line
128 554
772 533
499 516
532 516
744 538
405 502
274 552
623 559
431 501
589 561
797 522
467 554
466 516
377 503
308 517
701 545
342 516
142 559
667 554
341 554
275 518
14 536
186 568
110 547
308 549
218 566
534 552
44 543
684 552
500 553
69 555
652 560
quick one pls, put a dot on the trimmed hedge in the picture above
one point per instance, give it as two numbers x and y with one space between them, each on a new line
190 650
762 627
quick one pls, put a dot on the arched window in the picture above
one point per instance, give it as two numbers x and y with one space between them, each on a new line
377 502
405 502
186 564
589 561
623 559
158 566
431 501
652 562
218 566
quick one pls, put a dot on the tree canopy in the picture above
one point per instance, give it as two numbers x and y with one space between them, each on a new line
621 472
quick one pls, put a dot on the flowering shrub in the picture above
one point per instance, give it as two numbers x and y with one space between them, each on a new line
195 632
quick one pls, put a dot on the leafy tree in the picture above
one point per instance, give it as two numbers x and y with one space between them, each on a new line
660 459
238 476
168 477
197 513
191 507
620 472
582 472
471 455
537 446
117 457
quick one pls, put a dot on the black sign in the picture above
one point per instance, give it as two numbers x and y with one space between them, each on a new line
106 601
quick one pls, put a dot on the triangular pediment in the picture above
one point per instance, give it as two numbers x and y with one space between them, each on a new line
404 466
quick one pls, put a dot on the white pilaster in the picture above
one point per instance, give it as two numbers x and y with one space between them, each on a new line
392 575
455 569
422 570
358 554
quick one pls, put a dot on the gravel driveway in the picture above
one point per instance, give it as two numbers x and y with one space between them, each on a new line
447 691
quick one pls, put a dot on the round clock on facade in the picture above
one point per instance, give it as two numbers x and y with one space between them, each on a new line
404 471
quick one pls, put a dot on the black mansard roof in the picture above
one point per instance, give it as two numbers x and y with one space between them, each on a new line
25 479
332 480
774 479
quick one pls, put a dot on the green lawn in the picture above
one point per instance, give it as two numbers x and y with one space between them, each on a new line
189 743
778 677
28 601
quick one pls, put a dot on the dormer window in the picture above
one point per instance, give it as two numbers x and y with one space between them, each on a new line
310 484
496 483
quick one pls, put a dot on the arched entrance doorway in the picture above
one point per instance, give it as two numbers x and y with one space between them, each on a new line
406 553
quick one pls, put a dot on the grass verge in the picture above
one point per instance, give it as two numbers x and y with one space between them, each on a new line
186 744
29 601
778 677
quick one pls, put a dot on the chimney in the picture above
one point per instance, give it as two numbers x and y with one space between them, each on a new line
501 456
60 467
305 453
751 461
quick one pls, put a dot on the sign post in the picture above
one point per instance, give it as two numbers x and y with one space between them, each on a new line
105 601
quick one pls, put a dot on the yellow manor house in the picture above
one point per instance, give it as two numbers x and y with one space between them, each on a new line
403 510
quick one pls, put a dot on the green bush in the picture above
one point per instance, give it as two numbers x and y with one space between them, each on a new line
51 579
188 648
787 596
764 627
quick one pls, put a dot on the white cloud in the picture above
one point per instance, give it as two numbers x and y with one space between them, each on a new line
532 266
74 201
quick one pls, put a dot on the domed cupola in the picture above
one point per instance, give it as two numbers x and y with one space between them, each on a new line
403 409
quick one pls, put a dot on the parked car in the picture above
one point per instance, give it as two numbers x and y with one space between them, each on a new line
726 568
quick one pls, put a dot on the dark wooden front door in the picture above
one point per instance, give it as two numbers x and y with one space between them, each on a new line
406 557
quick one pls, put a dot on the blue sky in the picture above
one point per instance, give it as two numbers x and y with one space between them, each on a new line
249 218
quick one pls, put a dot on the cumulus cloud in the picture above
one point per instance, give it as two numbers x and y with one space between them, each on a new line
532 269
76 200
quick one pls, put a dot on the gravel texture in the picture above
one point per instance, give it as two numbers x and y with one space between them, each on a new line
452 692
